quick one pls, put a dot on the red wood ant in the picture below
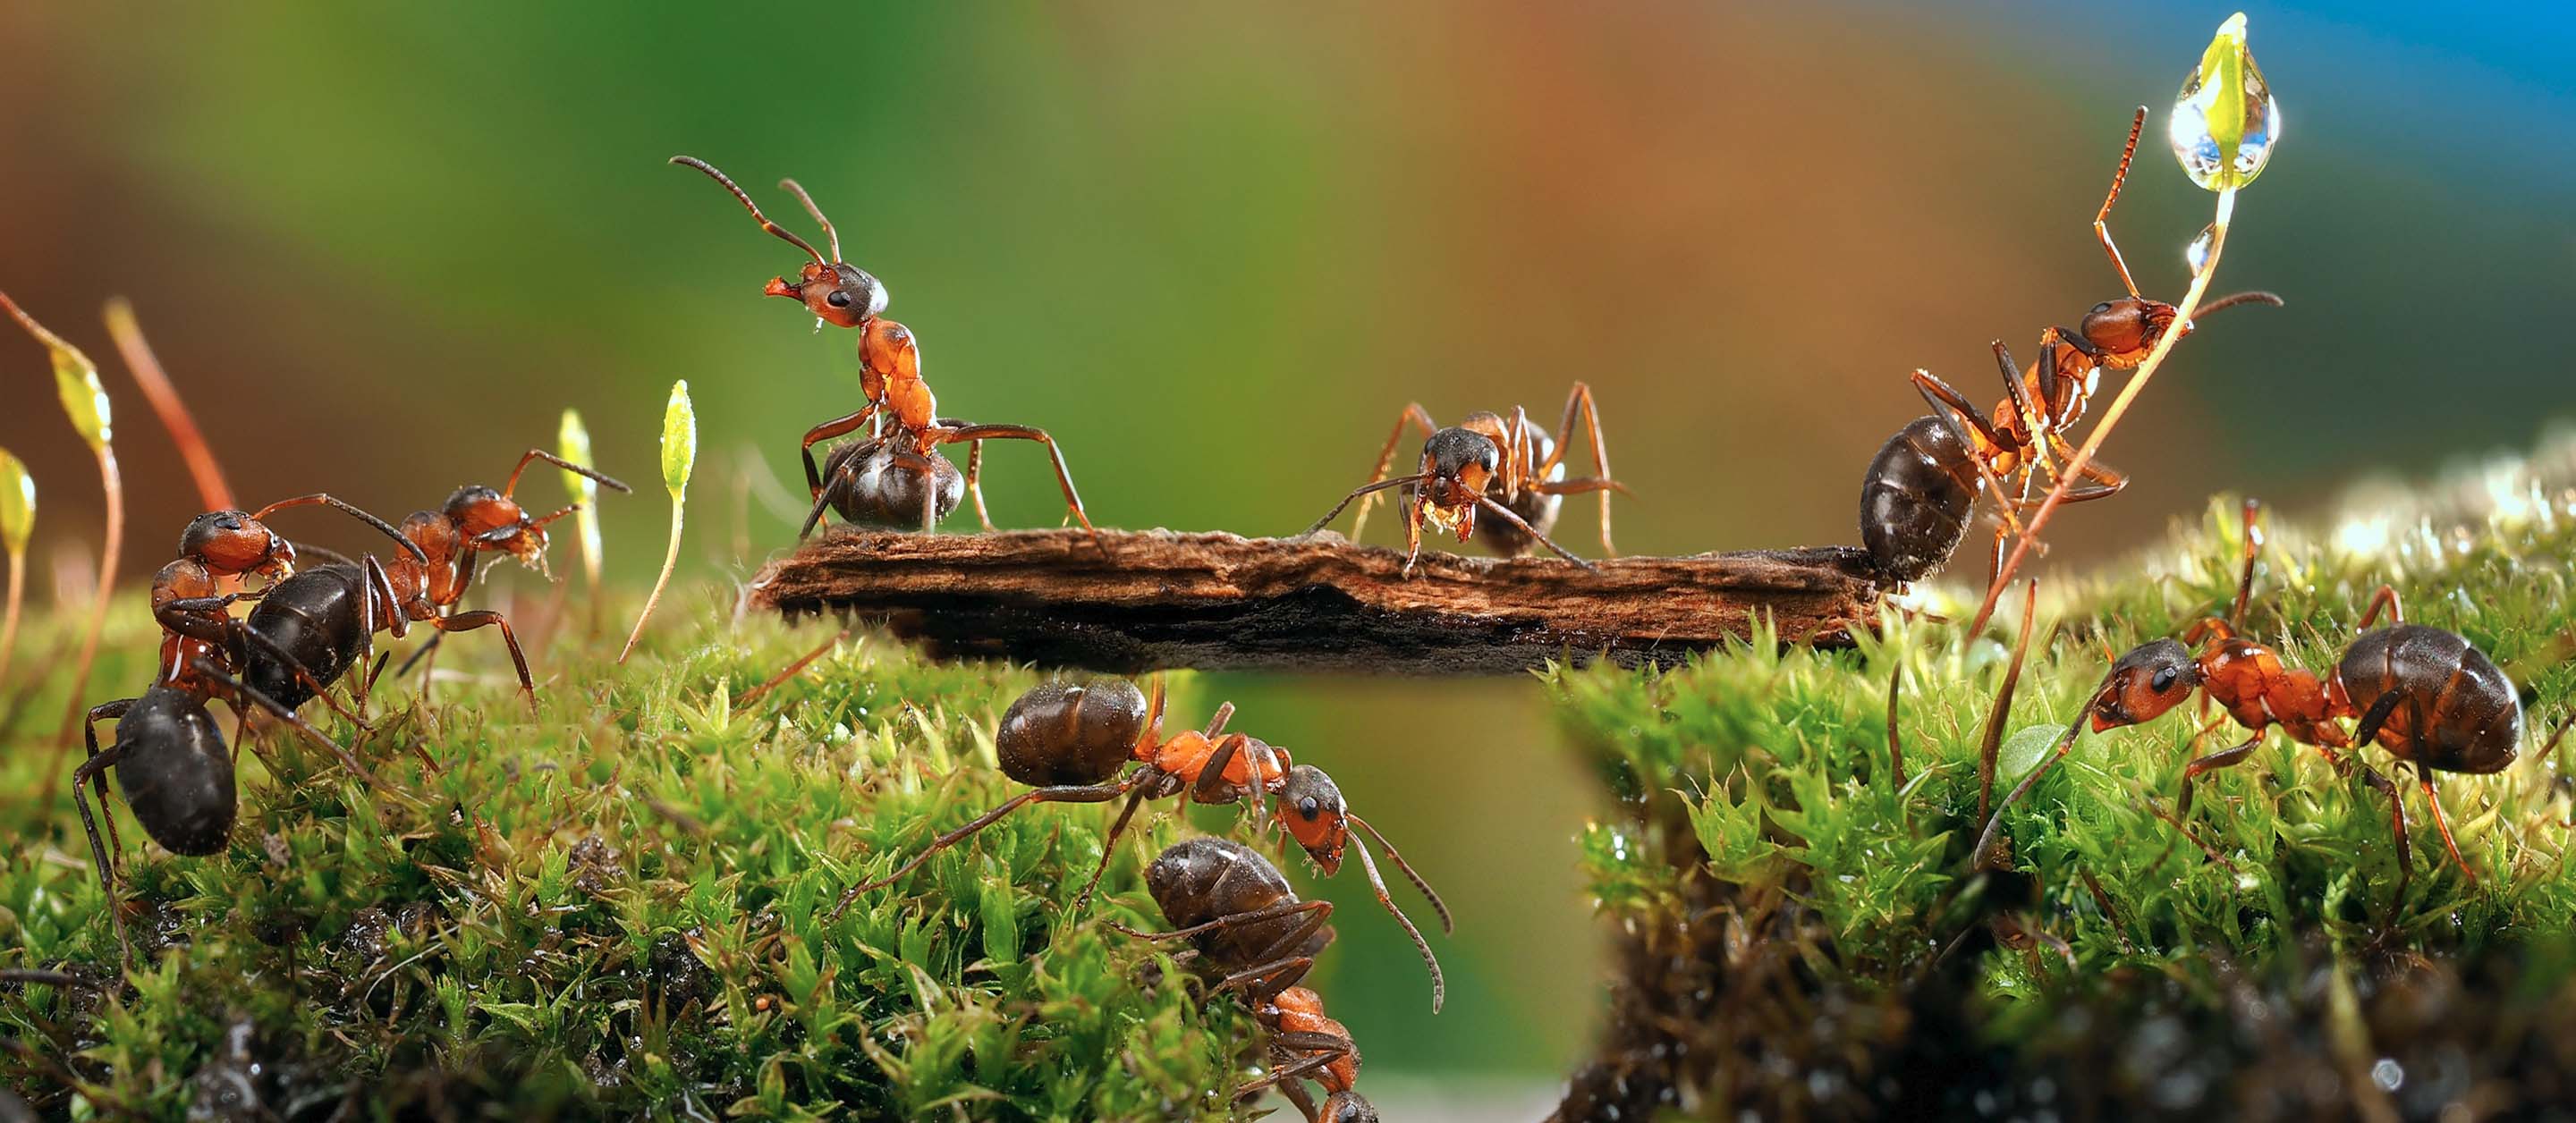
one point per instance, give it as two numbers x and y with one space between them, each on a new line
171 762
2427 696
325 618
1069 740
1915 498
188 597
864 485
1507 466
1243 921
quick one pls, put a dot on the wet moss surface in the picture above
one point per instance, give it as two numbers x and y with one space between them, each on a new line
1799 936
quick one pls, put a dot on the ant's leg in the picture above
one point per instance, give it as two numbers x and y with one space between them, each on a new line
2101 218
2397 827
2034 419
382 527
2385 598
1953 410
1368 488
1578 402
1413 533
1063 478
2224 758
2425 777
1488 503
1296 1093
1095 793
975 483
303 675
2107 481
98 780
1319 911
1315 1051
836 427
602 479
468 621
96 768
1209 785
241 690
1414 415
1117 830
1216 723
1990 744
848 470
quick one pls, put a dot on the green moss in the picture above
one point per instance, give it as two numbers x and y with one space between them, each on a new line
1765 802
615 907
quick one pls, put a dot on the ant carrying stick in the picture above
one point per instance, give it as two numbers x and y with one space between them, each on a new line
896 469
1067 741
1917 494
1250 934
326 617
1508 467
2427 696
170 759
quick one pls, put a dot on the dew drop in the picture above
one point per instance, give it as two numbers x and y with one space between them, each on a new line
2197 253
2201 125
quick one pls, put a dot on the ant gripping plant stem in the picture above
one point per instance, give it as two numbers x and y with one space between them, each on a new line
85 402
17 521
679 454
2223 128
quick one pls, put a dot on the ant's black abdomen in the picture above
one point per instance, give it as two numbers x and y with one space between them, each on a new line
177 775
2455 710
1071 733
888 486
315 617
1204 879
1914 503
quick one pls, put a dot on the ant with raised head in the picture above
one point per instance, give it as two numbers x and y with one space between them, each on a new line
1067 741
1916 496
2427 696
325 618
1251 934
171 761
1508 467
862 483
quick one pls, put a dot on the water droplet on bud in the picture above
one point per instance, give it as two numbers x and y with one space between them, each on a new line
2225 121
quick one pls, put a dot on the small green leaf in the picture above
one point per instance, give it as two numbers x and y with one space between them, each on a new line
17 504
679 440
75 380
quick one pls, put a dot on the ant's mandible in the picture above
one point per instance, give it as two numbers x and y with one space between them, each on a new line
325 618
1916 497
2427 696
1508 467
1067 741
1252 935
895 470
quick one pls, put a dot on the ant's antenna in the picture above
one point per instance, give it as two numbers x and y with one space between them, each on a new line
797 189
754 208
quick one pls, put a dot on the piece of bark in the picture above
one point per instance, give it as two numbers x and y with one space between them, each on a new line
1156 600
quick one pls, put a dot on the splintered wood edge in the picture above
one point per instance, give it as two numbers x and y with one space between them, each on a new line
1136 601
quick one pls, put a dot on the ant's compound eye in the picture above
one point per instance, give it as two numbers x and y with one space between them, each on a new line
2164 679
1308 807
2102 309
840 298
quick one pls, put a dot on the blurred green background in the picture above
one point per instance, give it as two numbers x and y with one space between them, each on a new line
1215 248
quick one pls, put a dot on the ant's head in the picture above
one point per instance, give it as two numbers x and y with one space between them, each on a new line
2127 327
490 520
837 293
834 290
1311 805
1459 462
2146 682
234 542
1348 1107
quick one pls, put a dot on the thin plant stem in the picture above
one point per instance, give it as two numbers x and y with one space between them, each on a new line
157 389
670 560
9 627
2119 405
115 487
